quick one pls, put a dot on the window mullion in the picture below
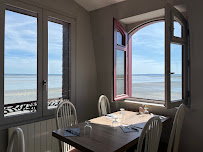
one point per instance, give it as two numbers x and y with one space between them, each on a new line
168 37
2 19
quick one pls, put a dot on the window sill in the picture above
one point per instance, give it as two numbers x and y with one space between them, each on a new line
137 101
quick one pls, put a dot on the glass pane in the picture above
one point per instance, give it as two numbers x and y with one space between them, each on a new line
20 65
120 72
148 62
176 72
119 38
58 70
177 29
55 52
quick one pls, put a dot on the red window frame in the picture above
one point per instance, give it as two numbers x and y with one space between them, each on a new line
118 27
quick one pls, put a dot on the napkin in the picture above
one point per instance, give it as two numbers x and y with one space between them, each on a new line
71 132
128 128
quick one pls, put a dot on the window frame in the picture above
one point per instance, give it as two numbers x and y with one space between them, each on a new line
170 13
22 9
118 27
42 112
46 15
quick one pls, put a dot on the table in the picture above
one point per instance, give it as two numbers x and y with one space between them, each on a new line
105 138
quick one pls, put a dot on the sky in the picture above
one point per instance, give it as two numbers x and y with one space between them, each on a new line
21 45
148 50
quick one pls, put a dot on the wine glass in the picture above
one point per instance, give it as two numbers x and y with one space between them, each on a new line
87 128
115 123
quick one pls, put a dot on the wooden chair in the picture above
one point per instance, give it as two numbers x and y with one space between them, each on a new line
103 105
176 129
17 140
65 116
150 136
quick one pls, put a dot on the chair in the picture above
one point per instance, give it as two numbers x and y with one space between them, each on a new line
103 106
176 130
16 141
150 136
65 116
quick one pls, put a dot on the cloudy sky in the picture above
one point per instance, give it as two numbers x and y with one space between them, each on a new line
148 50
21 45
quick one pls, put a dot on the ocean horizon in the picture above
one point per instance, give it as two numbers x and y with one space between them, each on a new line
23 87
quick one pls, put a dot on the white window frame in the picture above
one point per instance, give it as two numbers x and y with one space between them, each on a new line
42 112
46 15
20 7
170 13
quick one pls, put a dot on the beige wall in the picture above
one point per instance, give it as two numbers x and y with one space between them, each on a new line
192 134
102 26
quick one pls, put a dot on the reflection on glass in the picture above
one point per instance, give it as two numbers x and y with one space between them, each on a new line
177 29
119 38
55 52
20 64
148 62
120 72
176 70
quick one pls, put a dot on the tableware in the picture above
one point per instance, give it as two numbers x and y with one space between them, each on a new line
87 128
115 123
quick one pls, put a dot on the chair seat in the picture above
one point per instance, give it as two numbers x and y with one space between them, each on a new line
74 150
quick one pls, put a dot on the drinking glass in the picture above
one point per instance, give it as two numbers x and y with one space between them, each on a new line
121 114
87 128
115 123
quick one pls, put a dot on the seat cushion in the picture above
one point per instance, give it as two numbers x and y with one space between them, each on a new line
74 150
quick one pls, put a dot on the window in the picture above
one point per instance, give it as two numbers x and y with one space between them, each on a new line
35 63
20 61
158 61
58 69
120 62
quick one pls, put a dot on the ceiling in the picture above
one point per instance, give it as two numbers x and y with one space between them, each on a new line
91 5
150 15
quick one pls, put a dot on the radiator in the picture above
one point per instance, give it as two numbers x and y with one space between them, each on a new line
38 136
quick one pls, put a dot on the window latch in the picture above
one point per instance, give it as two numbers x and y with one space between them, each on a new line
172 73
44 82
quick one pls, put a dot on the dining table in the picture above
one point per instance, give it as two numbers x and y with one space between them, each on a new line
104 137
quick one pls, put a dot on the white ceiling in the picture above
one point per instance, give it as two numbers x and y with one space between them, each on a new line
91 5
150 15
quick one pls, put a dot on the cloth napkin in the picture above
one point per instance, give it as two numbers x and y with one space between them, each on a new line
72 132
128 128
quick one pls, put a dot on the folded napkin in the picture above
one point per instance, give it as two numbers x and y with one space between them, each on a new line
71 132
129 128
139 125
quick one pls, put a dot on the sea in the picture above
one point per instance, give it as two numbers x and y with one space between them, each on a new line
23 87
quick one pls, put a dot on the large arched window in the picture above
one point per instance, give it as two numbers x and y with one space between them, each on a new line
157 61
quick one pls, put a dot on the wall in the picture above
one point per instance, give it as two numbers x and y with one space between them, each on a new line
85 70
192 134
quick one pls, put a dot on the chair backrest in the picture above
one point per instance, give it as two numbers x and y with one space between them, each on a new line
103 105
176 129
65 116
151 134
17 139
